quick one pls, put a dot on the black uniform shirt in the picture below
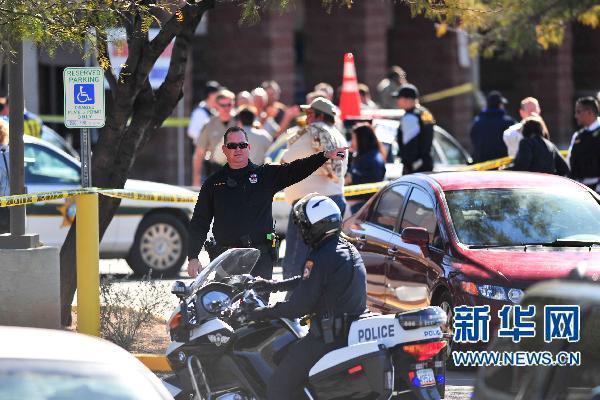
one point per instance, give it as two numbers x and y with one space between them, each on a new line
240 201
415 137
334 283
585 154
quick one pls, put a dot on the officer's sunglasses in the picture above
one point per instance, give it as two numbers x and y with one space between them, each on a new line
234 145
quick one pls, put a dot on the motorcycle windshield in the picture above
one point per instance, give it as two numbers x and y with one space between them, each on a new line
232 262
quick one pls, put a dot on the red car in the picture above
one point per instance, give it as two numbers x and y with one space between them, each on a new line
473 238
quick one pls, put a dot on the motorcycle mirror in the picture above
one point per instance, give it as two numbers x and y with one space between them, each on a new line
179 288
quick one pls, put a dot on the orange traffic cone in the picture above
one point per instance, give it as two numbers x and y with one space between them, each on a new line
349 98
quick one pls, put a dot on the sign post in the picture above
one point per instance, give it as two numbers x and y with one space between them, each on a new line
84 108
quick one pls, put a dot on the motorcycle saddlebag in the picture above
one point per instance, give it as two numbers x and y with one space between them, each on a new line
360 371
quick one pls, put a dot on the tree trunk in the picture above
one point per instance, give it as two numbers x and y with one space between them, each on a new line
134 100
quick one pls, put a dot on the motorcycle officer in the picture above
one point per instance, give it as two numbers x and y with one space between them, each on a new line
332 290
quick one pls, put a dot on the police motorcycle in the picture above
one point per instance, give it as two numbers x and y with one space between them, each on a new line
216 353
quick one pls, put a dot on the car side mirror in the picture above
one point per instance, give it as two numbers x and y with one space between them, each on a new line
416 235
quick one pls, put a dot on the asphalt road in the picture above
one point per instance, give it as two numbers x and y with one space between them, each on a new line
459 384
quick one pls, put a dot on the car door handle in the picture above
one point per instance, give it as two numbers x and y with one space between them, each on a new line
392 251
361 239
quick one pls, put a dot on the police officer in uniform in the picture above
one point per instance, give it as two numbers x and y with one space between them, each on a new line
239 197
415 133
584 152
332 290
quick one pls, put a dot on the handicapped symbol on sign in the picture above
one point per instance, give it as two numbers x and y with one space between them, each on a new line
83 93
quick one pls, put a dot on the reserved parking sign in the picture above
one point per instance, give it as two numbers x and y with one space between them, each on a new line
84 97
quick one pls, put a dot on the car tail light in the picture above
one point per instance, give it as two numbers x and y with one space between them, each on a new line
424 351
175 321
428 316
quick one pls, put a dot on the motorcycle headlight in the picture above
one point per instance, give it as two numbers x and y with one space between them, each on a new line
215 301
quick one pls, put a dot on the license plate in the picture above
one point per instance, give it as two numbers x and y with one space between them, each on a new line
426 377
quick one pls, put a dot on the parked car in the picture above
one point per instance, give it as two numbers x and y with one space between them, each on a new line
473 238
448 155
49 364
150 235
550 382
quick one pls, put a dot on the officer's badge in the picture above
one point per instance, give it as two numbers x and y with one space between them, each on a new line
253 178
307 268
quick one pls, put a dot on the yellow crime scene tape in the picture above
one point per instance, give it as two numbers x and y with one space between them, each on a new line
450 92
149 196
24 199
349 191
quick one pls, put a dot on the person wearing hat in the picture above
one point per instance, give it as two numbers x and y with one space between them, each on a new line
415 133
487 131
320 134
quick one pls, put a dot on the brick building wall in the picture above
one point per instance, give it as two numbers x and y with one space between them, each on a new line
432 64
241 57
547 76
379 33
362 30
586 60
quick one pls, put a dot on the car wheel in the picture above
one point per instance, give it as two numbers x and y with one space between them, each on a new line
445 303
160 246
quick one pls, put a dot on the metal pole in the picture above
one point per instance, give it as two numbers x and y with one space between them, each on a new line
17 106
86 158
88 271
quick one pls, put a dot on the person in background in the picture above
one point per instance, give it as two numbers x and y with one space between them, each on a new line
211 138
319 135
204 111
261 100
4 176
389 85
258 138
275 108
365 97
368 163
326 89
488 129
536 153
512 136
32 124
294 118
415 133
584 152
244 98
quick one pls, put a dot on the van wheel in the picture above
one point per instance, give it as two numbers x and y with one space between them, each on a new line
160 246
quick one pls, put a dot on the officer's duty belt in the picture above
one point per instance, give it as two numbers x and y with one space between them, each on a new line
341 326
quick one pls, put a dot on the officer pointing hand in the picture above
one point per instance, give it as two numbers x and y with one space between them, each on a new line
238 199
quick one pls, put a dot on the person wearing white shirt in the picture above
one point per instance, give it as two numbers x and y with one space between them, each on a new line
512 136
319 135
204 111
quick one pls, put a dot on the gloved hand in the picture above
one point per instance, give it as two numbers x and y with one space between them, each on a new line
259 313
262 285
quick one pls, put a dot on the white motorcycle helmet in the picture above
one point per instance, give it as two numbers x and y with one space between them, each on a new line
318 218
